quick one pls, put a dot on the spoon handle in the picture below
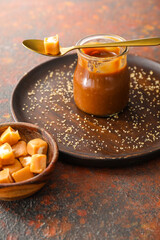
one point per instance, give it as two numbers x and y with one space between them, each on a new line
131 43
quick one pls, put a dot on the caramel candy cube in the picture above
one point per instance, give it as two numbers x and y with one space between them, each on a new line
25 161
20 149
38 163
5 176
10 136
6 154
14 167
22 174
37 146
51 45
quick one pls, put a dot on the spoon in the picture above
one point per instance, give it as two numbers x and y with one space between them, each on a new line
38 45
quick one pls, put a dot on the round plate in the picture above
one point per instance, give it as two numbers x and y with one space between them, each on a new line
44 96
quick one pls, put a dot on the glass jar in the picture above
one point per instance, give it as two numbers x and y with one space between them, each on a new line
101 78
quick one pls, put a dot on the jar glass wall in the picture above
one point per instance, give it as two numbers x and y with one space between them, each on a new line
101 78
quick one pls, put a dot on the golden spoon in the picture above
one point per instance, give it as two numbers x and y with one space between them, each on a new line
38 45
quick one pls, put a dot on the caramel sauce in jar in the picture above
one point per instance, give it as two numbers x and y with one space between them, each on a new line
101 78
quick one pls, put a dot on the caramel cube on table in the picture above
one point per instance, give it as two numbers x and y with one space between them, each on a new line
38 163
51 45
20 149
25 161
22 174
6 154
37 146
5 176
14 167
10 136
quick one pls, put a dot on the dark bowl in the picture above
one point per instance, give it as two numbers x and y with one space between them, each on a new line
19 190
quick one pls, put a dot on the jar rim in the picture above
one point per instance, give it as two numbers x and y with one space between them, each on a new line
111 36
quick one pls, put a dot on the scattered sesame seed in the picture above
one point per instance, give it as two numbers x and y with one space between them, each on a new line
55 94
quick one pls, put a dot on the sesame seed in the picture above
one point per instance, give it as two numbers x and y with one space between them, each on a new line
55 92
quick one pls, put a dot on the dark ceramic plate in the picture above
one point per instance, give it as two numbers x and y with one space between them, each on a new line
44 96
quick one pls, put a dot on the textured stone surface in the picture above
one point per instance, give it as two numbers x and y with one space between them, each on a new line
79 203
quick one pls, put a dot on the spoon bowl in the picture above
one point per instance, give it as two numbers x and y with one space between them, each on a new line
37 45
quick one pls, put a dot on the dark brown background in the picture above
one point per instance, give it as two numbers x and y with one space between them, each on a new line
79 202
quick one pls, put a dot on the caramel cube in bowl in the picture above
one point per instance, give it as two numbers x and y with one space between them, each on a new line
5 176
22 174
25 161
20 149
14 167
10 136
6 154
38 163
37 146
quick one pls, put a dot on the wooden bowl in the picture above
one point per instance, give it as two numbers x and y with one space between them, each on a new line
27 131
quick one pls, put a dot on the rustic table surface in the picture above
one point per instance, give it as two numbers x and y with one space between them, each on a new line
79 202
